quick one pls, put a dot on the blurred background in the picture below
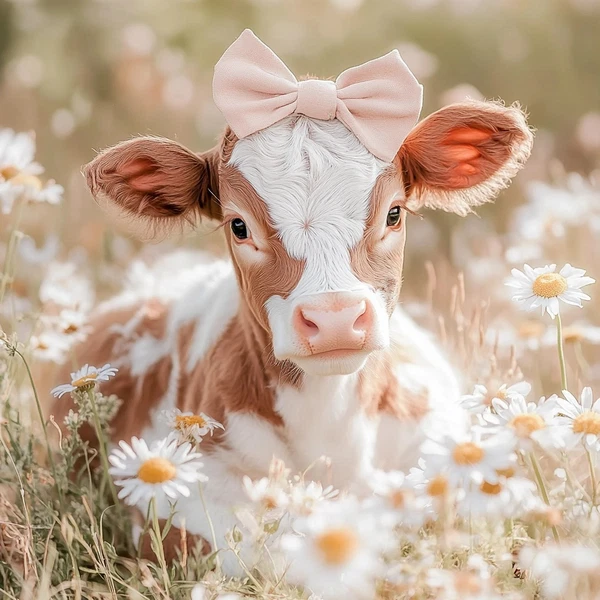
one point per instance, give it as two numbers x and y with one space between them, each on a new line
85 74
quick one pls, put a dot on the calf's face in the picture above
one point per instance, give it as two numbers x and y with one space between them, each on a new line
314 222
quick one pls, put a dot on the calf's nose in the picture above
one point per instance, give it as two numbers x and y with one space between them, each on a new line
334 321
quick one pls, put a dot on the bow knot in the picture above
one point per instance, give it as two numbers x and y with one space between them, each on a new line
317 99
378 101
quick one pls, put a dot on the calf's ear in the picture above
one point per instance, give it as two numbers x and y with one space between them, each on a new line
462 155
155 184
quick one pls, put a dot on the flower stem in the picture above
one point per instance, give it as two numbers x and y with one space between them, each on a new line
102 446
561 353
542 488
212 529
593 480
6 275
44 428
160 551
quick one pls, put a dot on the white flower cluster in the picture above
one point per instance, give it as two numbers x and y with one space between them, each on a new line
19 173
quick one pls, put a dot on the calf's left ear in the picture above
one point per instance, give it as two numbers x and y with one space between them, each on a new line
462 155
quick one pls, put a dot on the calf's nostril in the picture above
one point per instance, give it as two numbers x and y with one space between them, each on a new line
310 327
363 319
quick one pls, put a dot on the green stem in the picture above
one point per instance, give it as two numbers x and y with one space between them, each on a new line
212 529
561 353
160 551
44 428
102 446
593 480
542 488
10 250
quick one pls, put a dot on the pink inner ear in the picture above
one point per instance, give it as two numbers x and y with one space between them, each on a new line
462 149
142 174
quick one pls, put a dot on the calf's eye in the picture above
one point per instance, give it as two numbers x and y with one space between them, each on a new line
393 217
239 229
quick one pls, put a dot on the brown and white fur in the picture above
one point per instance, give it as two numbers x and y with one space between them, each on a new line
297 344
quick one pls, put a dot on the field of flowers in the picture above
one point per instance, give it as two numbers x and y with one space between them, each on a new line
509 508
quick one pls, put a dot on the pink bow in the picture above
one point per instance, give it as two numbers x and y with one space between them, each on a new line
379 101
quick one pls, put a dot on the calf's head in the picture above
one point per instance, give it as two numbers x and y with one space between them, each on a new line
314 211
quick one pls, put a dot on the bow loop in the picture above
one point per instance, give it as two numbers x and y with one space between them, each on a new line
378 101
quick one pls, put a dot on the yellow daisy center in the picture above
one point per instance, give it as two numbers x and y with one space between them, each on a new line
467 453
71 328
9 172
492 489
467 583
530 329
157 470
337 546
550 285
270 503
398 498
438 486
29 180
571 335
525 424
186 421
508 472
85 380
588 422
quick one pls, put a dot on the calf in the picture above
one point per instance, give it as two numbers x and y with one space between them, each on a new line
297 344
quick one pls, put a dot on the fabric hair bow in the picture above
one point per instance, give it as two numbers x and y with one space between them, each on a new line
378 101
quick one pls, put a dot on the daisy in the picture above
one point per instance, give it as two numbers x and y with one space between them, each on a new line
165 469
305 497
431 492
17 151
187 425
559 567
579 421
85 379
266 494
51 193
527 421
508 497
50 346
464 457
544 287
481 399
337 551
395 498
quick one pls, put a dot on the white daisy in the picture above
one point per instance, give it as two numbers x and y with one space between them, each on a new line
39 256
188 426
337 551
544 287
507 497
17 151
8 194
431 492
579 420
51 193
50 346
395 498
464 457
305 497
266 494
165 469
560 567
527 421
481 399
85 378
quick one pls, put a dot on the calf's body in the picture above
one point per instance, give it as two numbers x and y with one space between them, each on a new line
297 344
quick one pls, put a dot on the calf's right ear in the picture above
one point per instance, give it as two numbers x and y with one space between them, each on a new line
155 184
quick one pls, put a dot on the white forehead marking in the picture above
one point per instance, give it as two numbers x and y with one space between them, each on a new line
316 179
